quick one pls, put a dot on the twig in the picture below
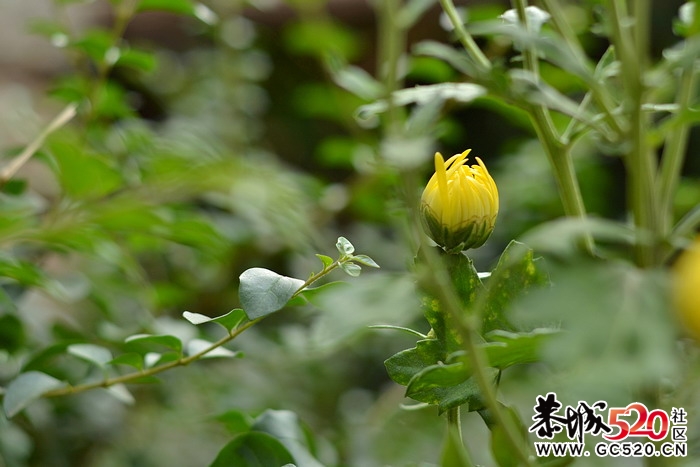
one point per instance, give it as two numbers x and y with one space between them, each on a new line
11 169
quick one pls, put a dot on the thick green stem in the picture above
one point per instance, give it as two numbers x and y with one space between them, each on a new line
464 37
675 149
558 153
629 37
598 91
391 45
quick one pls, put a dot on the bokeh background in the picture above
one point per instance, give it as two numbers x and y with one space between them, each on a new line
225 144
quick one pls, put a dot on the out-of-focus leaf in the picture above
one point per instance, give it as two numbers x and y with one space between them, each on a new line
95 354
254 449
143 343
229 321
198 345
421 95
137 59
285 426
357 81
263 291
617 332
235 421
181 7
412 11
457 58
454 454
132 359
351 269
349 309
500 444
563 238
321 37
515 274
83 175
447 397
26 388
326 260
344 246
121 393
12 335
526 86
555 51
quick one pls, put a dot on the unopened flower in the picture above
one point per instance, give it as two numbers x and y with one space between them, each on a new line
686 289
460 203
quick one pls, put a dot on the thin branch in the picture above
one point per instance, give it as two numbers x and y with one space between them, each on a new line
18 162
183 361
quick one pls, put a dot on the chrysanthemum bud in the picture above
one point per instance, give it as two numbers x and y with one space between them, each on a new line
686 289
460 203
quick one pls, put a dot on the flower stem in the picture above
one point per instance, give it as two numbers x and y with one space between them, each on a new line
468 332
454 421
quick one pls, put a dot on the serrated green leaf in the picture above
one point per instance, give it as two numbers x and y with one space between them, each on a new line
263 291
465 394
516 273
351 269
404 365
142 343
467 285
254 449
326 260
96 354
345 248
25 389
365 260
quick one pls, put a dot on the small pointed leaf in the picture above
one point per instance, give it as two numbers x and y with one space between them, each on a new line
351 269
91 353
198 345
26 388
263 291
344 246
365 260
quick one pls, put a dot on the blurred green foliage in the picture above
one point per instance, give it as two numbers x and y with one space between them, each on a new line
256 143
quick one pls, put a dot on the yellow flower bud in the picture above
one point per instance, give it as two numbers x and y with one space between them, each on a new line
459 204
686 289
